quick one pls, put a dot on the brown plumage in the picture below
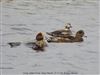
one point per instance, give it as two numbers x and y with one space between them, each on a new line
39 36
62 32
76 38
40 42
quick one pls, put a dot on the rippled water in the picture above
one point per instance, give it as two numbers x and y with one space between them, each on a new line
22 19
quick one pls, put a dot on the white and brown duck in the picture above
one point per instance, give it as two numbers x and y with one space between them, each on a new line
70 39
40 43
62 32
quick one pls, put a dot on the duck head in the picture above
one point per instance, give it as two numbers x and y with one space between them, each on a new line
79 35
39 36
68 26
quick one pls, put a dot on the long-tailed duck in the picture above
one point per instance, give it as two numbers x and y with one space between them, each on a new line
62 32
40 43
69 39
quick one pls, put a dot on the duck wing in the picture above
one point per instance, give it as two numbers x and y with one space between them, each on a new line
54 33
60 33
57 33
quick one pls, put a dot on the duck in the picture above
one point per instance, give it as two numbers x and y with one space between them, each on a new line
40 43
62 32
70 39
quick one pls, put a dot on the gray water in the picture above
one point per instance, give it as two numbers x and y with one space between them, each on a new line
23 19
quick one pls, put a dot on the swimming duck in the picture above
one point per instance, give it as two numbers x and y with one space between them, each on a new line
40 43
63 32
76 38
